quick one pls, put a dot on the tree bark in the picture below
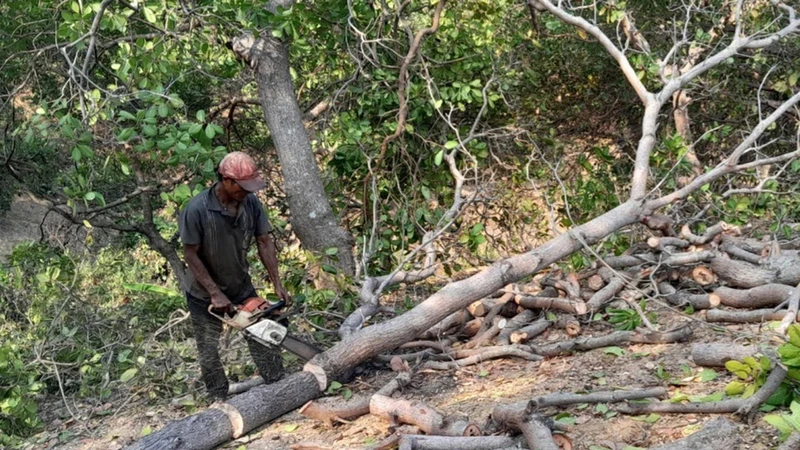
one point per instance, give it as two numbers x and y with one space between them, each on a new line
716 355
400 411
242 413
312 218
422 442
718 434
756 297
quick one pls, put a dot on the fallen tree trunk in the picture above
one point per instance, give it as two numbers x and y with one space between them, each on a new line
754 316
780 270
717 434
680 298
529 332
223 422
422 442
568 398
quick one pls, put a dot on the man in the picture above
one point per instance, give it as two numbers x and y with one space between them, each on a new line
217 228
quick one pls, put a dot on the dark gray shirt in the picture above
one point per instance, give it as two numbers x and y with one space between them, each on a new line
224 240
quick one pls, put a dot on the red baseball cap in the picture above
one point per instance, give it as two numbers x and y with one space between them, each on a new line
241 168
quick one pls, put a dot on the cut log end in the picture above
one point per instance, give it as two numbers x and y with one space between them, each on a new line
703 276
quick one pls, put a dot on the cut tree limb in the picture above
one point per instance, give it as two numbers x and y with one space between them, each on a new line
568 398
529 332
617 338
572 306
755 316
781 270
717 354
570 324
423 442
485 354
744 407
538 431
681 298
791 312
514 324
756 297
333 410
450 323
717 434
429 420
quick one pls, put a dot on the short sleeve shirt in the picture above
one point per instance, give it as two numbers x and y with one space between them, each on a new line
224 240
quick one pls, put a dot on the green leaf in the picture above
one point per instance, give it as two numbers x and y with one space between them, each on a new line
146 431
735 388
195 128
438 158
330 251
126 115
76 154
740 370
128 374
652 418
210 131
614 351
708 375
450 145
794 335
201 116
291 427
149 15
347 394
778 422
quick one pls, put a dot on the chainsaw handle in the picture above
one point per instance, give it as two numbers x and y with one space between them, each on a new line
275 306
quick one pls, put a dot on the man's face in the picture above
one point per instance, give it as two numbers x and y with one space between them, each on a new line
233 190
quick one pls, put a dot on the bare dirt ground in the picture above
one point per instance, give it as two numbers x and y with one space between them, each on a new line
474 391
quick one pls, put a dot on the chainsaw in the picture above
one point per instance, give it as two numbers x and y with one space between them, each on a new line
251 318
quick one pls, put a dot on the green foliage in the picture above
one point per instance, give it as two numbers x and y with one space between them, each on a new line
628 319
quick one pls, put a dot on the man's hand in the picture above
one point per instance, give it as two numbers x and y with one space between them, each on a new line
280 291
221 303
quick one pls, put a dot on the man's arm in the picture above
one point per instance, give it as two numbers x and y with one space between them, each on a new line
218 298
269 257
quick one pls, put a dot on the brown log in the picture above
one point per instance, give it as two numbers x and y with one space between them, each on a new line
717 354
717 434
781 270
755 316
703 276
595 282
666 244
626 261
617 338
538 430
429 420
710 233
244 386
223 421
605 294
570 324
686 258
472 327
330 410
486 335
572 306
529 332
756 297
483 354
516 322
481 307
568 398
790 316
423 442
739 253
744 407
451 322
680 298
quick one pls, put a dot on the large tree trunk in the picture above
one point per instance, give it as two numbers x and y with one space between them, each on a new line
311 215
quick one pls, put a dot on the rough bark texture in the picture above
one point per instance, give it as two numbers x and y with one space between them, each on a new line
718 434
243 412
756 297
716 355
400 411
537 430
781 270
312 217
422 442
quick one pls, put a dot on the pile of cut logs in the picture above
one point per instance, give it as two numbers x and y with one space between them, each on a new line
719 276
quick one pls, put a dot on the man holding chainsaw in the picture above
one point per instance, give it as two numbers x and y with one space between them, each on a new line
217 228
